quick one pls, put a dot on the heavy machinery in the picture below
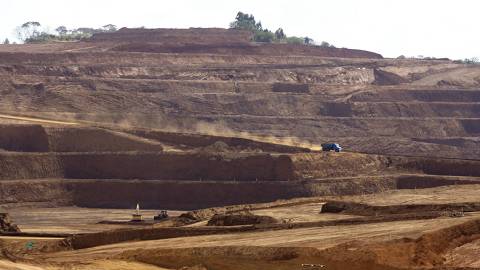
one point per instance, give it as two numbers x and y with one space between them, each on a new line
331 147
162 215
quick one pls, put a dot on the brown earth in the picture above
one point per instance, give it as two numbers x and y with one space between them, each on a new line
6 224
219 83
194 118
245 218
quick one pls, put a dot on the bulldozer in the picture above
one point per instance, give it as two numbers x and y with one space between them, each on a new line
161 216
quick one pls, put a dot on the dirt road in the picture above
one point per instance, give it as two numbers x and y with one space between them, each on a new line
36 120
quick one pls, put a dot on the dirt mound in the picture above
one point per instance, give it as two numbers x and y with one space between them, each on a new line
218 147
387 78
243 218
6 224
374 210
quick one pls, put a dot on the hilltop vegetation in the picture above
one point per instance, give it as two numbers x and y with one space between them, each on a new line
33 32
244 21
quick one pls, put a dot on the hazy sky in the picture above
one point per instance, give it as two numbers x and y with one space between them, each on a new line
440 28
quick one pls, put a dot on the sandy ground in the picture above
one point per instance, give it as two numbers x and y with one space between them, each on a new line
301 213
105 264
8 265
74 219
467 255
439 195
319 237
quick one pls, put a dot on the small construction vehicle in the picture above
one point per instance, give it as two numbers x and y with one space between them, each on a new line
310 266
161 216
326 147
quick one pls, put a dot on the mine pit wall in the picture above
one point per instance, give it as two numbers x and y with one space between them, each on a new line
234 167
181 195
36 138
51 193
94 139
325 165
184 195
427 181
175 166
188 195
199 140
23 138
30 166
438 166
146 166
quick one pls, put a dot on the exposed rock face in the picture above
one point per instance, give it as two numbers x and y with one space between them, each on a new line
6 224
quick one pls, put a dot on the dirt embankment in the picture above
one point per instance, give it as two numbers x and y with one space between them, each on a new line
424 252
324 165
50 193
178 166
242 218
214 41
81 241
96 140
374 210
200 140
6 224
431 181
179 194
36 138
30 166
247 49
185 195
240 258
176 36
438 166
23 138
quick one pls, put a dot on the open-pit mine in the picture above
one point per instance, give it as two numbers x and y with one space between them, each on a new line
225 134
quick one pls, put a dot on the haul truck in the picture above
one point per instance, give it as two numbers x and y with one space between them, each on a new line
331 147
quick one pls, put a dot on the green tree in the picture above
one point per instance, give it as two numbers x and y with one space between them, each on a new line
6 41
295 40
61 30
280 35
28 30
109 28
244 21
308 40
264 36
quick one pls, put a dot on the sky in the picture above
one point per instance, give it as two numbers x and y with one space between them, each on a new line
436 28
